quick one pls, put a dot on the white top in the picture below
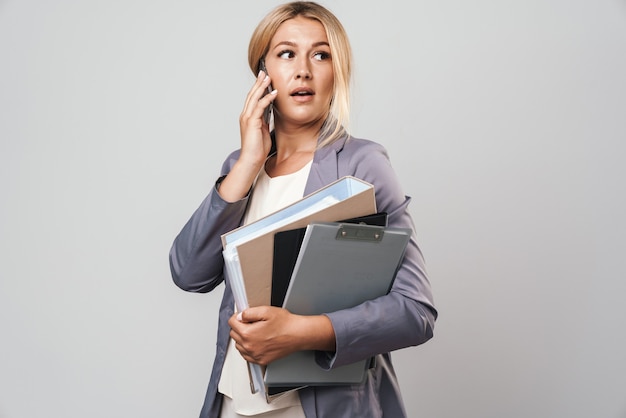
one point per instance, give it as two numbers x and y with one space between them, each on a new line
271 194
268 195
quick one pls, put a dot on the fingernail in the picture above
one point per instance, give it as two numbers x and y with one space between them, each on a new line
239 317
274 91
259 75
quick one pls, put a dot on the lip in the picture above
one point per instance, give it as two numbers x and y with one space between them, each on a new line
302 98
295 92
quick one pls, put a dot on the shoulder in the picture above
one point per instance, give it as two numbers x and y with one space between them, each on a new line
362 145
369 160
363 157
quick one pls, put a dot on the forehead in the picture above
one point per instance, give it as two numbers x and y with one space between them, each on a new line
300 30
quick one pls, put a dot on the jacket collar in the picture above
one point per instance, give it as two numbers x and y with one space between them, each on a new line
324 168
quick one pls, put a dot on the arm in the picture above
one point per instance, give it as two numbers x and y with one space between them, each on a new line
264 334
196 260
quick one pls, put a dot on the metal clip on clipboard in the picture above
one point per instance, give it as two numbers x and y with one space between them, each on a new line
360 232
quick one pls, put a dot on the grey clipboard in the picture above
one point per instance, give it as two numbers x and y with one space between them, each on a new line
339 266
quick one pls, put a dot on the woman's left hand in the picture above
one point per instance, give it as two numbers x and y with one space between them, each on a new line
266 333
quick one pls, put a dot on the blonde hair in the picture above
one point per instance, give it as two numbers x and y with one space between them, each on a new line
339 113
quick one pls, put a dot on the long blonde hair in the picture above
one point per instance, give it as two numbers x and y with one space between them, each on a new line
341 52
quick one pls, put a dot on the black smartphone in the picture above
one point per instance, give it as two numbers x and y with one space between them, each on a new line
267 113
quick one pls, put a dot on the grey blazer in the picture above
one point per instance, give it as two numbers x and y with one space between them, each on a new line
405 317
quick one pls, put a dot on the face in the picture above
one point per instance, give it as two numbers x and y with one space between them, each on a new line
300 66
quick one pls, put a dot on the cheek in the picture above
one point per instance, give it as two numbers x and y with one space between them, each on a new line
330 91
278 83
328 84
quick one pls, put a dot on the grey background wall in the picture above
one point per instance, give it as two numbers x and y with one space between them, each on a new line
505 121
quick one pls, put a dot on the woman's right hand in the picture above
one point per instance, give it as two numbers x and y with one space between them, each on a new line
254 130
255 141
263 334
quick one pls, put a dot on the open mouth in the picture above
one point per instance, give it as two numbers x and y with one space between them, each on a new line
302 92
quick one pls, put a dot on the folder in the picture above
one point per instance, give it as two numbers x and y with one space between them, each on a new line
339 266
287 246
248 250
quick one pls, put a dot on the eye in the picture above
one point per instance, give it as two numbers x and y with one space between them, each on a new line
286 54
321 56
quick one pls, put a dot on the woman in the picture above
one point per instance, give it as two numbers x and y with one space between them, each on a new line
301 55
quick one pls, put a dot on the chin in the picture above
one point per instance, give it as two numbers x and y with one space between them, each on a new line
302 119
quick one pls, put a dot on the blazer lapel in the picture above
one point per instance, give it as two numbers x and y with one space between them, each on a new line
324 168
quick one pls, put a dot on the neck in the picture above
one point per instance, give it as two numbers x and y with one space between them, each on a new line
294 149
292 140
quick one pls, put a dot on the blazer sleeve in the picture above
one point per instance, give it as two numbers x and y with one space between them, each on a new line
406 315
196 261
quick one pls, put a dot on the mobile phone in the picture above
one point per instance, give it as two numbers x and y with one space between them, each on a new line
267 113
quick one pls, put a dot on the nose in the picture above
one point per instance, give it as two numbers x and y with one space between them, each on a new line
306 74
303 71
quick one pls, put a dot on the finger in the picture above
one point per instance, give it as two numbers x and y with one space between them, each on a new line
242 351
257 91
235 335
232 321
237 329
258 111
254 314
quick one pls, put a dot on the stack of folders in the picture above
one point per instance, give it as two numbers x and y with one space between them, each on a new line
330 250
325 267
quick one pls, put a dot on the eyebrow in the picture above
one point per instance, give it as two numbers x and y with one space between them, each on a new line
293 44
